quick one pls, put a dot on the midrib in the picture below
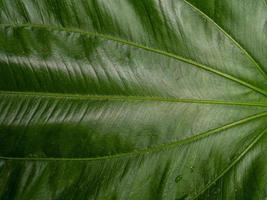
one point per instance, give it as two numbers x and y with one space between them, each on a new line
126 98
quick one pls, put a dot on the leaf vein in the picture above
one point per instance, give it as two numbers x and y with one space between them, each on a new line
223 172
127 98
162 147
235 42
154 50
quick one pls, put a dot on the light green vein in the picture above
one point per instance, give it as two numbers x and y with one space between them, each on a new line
230 37
162 147
265 3
126 98
242 154
130 43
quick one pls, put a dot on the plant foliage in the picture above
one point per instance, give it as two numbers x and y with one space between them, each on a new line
133 99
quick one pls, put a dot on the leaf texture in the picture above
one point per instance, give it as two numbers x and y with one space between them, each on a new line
132 99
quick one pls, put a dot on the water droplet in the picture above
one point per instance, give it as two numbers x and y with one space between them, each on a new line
178 178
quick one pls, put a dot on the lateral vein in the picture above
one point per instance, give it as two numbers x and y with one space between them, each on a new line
235 42
131 43
162 147
241 155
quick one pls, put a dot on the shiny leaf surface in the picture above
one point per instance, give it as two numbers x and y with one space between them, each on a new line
132 99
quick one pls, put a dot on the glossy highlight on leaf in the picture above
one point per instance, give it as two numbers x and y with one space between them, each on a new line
133 99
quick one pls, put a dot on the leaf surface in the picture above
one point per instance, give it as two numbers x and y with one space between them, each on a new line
132 99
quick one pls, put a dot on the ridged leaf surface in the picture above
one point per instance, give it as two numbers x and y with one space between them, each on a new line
133 99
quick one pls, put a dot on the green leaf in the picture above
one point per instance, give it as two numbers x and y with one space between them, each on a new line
133 99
